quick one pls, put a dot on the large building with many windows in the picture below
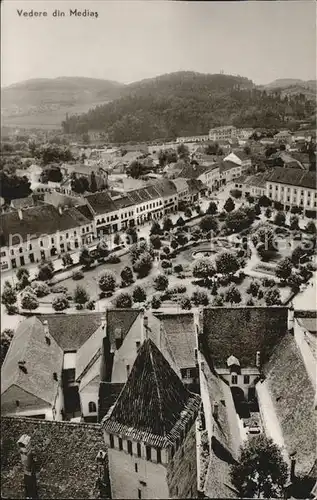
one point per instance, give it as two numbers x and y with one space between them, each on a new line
223 133
293 187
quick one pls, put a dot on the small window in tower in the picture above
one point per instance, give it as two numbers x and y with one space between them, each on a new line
138 446
148 452
129 447
120 444
139 493
136 467
92 407
111 441
234 379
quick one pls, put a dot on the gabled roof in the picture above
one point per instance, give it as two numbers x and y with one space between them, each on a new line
180 184
293 177
242 331
65 455
227 165
293 395
193 171
29 345
154 405
39 220
101 202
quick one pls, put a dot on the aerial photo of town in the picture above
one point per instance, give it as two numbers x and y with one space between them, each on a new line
158 250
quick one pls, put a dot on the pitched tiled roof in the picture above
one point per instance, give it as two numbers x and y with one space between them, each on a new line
227 165
180 184
38 220
257 180
85 210
154 405
294 177
108 394
293 395
101 202
23 202
29 345
242 331
193 171
65 456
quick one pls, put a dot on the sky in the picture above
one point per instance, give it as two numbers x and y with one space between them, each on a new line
131 40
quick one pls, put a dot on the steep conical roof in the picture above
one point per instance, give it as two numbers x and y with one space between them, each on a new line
154 404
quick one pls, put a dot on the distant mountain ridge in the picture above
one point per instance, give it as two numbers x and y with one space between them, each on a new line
282 83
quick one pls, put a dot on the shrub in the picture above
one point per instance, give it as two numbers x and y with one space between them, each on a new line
185 303
12 309
113 259
107 282
91 305
253 288
177 289
22 271
81 296
236 193
250 302
29 301
127 275
229 205
67 260
260 294
123 300
165 264
143 265
8 296
200 298
46 271
284 268
180 222
294 222
59 289
156 228
79 307
217 301
208 223
212 208
268 282
279 218
40 289
268 213
297 254
139 294
117 239
77 275
60 303
214 288
178 268
311 227
272 297
161 282
226 263
167 224
188 213
232 295
166 250
174 243
203 269
156 301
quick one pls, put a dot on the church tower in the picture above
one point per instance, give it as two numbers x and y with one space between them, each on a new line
150 432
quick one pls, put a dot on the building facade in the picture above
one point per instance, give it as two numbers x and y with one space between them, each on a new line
222 133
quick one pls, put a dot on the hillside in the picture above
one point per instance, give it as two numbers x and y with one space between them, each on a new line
291 86
188 103
44 102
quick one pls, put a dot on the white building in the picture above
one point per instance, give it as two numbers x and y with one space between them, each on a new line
222 133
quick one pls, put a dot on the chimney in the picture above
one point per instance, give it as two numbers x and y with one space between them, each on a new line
20 213
46 332
215 410
293 464
258 359
24 444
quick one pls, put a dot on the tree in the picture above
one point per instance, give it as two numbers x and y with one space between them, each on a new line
6 338
8 296
293 225
203 269
229 205
174 243
182 239
22 271
311 227
196 233
183 151
167 224
93 183
236 193
297 254
268 213
139 294
40 289
200 298
156 241
188 213
212 208
67 260
232 295
46 270
239 219
264 201
180 221
117 239
217 301
161 282
156 301
102 250
136 169
185 303
85 258
81 295
295 281
260 471
226 263
60 303
272 297
132 234
279 218
51 174
143 265
107 282
257 209
284 268
13 186
127 275
124 301
156 228
29 301
208 223
253 288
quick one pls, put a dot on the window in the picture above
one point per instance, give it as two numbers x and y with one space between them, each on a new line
234 379
137 344
129 443
138 447
3 254
12 252
41 243
66 235
148 452
17 403
246 379
120 444
111 441
139 493
136 467
75 233
128 370
92 407
61 238
158 456
30 246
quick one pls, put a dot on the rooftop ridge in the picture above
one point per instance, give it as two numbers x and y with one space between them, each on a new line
52 422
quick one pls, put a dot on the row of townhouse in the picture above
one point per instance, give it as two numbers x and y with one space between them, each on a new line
293 187
41 232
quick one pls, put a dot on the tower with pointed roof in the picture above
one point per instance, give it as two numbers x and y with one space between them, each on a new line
150 432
